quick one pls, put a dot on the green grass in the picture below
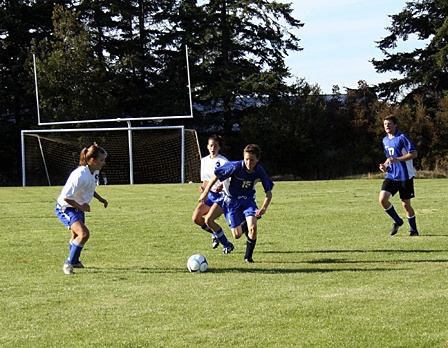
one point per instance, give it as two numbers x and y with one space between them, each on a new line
327 273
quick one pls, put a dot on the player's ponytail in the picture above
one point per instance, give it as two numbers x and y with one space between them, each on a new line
94 151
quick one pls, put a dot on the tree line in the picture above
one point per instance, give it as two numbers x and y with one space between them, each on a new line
118 59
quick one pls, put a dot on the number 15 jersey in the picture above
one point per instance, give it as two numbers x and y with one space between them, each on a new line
242 181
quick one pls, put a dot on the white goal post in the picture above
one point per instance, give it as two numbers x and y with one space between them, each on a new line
136 155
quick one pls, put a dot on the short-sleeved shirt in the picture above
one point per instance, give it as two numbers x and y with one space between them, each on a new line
80 187
242 181
208 166
395 147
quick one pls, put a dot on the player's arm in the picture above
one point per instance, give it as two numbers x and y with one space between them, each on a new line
203 186
207 189
265 205
76 205
101 199
409 156
383 166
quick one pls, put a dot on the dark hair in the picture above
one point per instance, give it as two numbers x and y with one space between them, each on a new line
253 148
392 118
216 138
93 151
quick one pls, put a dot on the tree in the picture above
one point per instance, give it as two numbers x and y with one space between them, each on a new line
71 80
237 50
424 70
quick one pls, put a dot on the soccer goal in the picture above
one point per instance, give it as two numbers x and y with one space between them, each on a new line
136 155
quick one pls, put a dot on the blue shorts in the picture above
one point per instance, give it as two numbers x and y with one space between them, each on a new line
69 216
236 210
213 197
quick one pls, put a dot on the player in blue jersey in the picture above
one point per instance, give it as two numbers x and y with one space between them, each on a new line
208 165
74 201
239 204
400 174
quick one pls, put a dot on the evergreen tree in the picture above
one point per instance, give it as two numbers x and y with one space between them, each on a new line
237 51
70 79
424 70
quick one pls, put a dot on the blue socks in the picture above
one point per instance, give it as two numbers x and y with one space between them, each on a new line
393 214
250 246
412 223
222 238
75 251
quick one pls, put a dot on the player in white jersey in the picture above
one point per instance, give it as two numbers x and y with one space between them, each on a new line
208 165
74 201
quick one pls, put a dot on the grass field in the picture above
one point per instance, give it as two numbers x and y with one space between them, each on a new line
327 273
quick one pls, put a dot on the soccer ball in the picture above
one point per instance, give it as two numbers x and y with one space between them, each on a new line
197 263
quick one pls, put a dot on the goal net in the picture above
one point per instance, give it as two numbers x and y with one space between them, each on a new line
136 155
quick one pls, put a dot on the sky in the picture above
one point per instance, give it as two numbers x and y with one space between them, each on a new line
338 41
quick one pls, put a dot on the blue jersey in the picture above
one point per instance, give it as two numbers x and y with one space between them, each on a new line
242 182
399 146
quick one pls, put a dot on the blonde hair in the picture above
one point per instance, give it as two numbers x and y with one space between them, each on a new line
93 151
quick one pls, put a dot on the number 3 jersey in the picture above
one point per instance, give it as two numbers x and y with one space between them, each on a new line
398 146
80 187
242 182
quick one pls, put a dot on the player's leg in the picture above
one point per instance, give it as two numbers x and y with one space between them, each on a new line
216 211
198 218
250 208
406 193
73 219
76 262
201 210
82 236
251 239
238 222
388 189
237 232
410 214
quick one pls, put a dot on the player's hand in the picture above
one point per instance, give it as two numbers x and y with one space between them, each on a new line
260 212
85 207
200 189
383 167
219 188
392 160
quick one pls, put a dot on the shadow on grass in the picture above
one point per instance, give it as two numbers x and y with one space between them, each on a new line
351 251
260 267
296 270
255 268
342 261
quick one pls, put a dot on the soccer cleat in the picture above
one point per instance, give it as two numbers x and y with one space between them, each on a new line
395 227
413 233
215 242
228 249
67 268
78 265
251 260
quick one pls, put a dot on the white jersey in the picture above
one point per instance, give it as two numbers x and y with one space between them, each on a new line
80 187
208 166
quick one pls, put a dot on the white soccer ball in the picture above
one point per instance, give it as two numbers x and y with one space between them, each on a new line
197 263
